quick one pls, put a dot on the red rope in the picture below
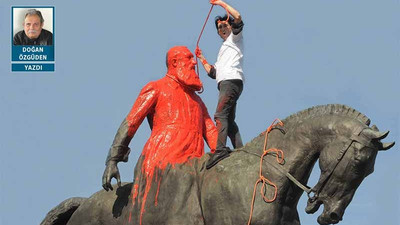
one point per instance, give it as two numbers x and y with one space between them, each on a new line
201 33
262 179
205 23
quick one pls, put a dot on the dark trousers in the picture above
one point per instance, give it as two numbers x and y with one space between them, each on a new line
229 93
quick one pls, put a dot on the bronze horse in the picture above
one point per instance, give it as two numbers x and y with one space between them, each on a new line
336 135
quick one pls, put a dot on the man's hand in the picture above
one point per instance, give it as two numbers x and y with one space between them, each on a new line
110 172
218 2
229 9
203 60
198 52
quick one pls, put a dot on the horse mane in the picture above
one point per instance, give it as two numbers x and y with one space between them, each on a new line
333 109
320 110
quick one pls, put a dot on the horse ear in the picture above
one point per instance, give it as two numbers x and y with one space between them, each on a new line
386 146
375 134
374 127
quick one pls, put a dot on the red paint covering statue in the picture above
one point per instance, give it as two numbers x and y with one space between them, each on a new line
179 121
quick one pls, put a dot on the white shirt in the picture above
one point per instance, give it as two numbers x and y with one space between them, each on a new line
230 59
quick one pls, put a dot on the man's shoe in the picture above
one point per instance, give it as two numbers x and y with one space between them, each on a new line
219 155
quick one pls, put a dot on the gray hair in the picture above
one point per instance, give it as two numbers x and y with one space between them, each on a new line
32 12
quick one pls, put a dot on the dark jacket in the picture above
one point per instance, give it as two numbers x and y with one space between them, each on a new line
45 38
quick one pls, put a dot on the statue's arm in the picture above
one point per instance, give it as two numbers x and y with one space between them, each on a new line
119 150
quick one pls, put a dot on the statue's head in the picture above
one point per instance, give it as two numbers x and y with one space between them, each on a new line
344 163
181 65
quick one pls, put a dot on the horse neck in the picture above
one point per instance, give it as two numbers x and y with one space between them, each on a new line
301 144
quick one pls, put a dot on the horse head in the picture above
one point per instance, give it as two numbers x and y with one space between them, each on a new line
343 171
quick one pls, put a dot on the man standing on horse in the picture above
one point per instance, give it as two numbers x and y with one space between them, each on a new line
229 75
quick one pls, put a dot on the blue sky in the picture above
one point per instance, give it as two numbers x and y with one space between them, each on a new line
56 128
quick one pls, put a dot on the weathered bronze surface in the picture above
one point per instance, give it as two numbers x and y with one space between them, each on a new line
337 135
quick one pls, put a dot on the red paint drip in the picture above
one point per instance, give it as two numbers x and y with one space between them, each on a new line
158 191
134 193
180 121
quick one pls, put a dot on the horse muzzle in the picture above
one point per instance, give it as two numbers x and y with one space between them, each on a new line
331 215
329 218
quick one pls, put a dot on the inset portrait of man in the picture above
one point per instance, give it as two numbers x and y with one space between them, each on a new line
34 32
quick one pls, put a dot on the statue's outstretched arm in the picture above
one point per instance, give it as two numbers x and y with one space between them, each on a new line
119 150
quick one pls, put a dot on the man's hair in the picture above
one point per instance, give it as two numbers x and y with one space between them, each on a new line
32 12
224 18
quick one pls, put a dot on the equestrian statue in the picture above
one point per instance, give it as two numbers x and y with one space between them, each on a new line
277 163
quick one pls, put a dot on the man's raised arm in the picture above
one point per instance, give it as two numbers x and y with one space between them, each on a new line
235 14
